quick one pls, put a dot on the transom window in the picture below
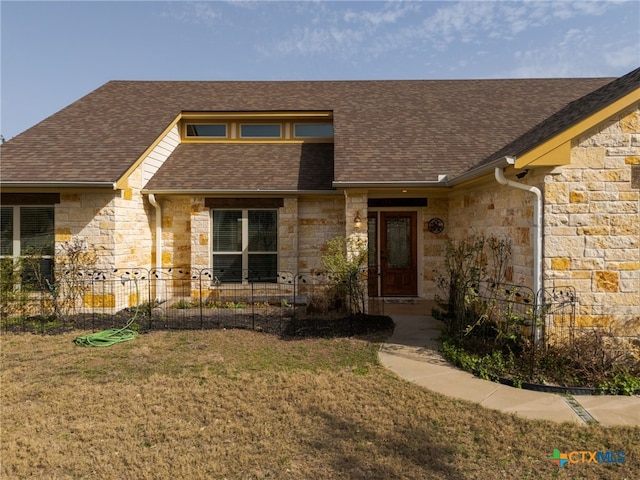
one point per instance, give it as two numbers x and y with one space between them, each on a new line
212 130
260 130
313 130
260 127
245 245
28 231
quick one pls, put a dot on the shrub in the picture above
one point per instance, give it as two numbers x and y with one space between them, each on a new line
344 261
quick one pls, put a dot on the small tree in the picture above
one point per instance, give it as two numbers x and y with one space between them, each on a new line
73 267
344 261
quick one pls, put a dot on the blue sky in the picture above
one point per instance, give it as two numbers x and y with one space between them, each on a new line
53 53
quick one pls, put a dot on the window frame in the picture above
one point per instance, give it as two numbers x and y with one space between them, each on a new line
234 122
312 137
280 135
206 137
17 243
244 251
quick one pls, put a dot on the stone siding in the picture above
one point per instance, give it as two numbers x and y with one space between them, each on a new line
488 208
434 247
91 219
592 225
305 224
319 220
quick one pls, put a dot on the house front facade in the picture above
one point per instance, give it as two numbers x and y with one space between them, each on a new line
250 180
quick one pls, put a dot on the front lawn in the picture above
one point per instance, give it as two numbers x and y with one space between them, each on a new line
238 404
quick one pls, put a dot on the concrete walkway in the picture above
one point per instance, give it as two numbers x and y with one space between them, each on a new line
411 352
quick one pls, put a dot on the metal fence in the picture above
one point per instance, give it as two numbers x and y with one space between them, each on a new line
510 318
510 309
303 303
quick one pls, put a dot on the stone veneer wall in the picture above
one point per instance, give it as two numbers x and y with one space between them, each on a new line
113 224
319 220
305 224
488 208
592 225
434 246
133 225
90 218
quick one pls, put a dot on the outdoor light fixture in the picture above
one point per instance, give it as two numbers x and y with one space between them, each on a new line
357 221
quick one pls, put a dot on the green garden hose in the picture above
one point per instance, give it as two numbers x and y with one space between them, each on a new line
106 338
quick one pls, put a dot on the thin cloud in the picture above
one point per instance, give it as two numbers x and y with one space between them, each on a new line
426 31
626 57
194 12
389 14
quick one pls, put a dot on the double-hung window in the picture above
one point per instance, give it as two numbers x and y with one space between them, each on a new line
28 231
245 245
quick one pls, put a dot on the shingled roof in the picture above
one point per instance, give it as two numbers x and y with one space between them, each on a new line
384 130
279 167
569 115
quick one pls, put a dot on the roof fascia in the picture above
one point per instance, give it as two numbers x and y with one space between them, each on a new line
476 173
257 193
110 185
258 115
442 182
556 151
121 183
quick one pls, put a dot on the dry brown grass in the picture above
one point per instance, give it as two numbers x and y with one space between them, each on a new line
244 405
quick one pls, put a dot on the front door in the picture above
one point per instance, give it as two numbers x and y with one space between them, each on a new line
398 254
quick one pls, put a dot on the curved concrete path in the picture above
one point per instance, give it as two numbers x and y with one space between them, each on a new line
411 352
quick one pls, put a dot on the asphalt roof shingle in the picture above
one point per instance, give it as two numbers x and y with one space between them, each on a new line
265 167
570 114
395 130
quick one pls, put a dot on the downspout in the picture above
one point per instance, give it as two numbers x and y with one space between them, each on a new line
537 235
156 205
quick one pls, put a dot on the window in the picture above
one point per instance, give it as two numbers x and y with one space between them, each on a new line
245 245
218 130
313 130
260 130
28 231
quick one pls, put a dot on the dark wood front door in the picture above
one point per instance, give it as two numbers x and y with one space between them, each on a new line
398 254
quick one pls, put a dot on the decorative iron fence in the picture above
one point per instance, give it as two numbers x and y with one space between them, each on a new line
511 318
509 308
178 298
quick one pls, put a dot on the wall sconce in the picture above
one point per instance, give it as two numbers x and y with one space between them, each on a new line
357 221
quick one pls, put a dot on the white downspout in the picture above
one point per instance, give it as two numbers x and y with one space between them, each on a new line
537 233
156 205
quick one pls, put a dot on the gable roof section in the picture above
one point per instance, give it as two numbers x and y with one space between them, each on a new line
551 138
385 131
211 167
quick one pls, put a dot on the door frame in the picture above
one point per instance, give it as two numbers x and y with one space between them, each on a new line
376 284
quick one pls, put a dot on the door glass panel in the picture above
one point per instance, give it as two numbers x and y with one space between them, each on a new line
399 242
372 233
